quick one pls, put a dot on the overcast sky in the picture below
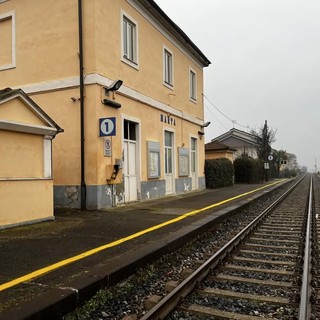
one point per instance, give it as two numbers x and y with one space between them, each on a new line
265 65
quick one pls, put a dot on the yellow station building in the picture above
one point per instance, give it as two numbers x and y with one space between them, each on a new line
124 82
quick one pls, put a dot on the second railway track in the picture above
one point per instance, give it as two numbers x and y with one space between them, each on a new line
260 273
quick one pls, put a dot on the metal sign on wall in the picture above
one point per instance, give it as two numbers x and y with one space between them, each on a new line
107 147
107 127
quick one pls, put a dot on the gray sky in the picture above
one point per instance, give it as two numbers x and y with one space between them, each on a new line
265 65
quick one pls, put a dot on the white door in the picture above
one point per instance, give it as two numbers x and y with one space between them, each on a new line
194 164
168 158
130 161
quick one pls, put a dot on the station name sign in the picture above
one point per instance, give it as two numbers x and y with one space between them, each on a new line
167 119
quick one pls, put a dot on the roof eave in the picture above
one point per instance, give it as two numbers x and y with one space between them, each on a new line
174 29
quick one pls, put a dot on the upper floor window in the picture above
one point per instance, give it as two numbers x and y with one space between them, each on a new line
129 41
167 67
8 41
193 85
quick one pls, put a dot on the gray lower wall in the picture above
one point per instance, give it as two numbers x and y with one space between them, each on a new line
153 189
201 183
107 196
183 185
67 197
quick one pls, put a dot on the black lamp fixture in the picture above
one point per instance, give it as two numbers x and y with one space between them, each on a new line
114 86
206 124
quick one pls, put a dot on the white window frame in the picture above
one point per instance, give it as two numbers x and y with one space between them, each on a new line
168 74
192 85
10 15
134 60
47 157
195 152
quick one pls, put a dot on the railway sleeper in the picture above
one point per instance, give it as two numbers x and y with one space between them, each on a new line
277 262
284 225
271 271
235 308
284 228
216 313
276 233
280 235
265 253
250 280
240 295
276 241
248 244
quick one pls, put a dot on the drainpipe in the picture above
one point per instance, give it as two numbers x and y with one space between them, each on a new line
81 75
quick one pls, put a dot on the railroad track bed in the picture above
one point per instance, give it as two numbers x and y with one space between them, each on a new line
263 273
131 296
316 254
262 277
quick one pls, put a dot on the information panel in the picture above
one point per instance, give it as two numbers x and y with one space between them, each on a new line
153 148
183 162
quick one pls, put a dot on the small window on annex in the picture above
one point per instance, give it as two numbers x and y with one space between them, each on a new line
129 44
167 67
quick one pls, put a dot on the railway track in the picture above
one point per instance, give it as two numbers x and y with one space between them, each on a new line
262 272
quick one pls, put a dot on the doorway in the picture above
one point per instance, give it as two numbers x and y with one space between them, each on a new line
194 164
168 162
130 160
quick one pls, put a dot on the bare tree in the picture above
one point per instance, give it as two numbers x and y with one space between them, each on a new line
265 137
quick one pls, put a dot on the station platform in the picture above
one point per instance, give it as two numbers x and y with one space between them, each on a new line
50 268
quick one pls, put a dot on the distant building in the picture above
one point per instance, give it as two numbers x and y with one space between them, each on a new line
129 99
215 150
242 142
289 163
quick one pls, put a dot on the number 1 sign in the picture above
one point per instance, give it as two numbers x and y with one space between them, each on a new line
107 127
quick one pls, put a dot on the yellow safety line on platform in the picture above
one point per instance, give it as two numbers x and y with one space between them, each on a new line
62 263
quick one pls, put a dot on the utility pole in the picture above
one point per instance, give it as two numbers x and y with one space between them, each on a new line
265 138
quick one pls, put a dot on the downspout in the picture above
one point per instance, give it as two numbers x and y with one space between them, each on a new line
83 194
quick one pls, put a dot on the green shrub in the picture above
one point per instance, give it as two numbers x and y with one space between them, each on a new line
248 170
219 173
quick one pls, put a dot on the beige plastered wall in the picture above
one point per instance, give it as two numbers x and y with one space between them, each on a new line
25 196
47 55
52 55
66 147
217 155
147 77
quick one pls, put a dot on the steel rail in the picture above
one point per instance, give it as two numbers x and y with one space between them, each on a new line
305 292
171 300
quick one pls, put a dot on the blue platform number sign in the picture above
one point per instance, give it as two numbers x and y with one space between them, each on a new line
107 127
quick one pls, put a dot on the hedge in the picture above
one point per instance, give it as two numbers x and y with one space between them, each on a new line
248 170
219 173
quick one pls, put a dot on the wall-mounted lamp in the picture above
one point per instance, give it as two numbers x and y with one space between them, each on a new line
114 86
206 124
201 134
111 103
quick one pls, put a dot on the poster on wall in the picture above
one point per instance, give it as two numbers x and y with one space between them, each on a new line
153 149
183 162
154 164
